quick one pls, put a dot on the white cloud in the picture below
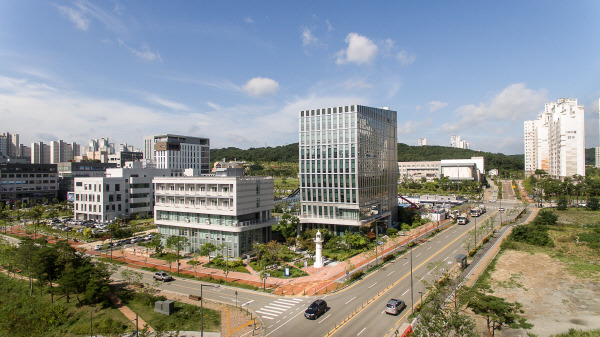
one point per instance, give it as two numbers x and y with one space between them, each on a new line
167 103
405 58
249 20
83 12
436 105
357 84
144 53
260 86
360 50
308 38
76 16
514 103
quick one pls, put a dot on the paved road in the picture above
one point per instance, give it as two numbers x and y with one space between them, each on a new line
284 316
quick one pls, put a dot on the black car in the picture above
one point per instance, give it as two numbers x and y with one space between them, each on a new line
316 309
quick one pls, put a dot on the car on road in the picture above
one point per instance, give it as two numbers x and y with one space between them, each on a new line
501 209
394 306
98 247
162 276
316 309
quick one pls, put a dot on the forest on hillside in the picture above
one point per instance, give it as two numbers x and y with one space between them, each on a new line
289 153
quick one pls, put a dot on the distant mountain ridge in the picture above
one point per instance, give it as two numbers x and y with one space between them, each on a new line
289 153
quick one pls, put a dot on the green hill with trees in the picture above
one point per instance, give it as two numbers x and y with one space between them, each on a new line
289 153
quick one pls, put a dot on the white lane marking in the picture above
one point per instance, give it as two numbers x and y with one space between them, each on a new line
447 235
361 331
454 251
266 314
326 317
405 264
418 255
405 292
277 312
372 285
293 301
350 300
429 247
247 303
421 278
280 305
391 273
383 312
447 257
278 321
276 309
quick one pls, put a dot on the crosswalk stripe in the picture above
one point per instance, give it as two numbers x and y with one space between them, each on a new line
279 310
294 301
271 310
281 306
266 313
267 317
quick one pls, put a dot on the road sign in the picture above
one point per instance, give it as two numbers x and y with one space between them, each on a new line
287 272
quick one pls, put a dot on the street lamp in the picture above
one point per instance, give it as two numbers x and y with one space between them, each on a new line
91 325
412 301
236 293
202 308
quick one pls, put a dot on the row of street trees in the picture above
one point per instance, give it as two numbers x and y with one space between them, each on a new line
572 190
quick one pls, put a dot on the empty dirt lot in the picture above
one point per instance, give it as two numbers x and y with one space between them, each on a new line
554 301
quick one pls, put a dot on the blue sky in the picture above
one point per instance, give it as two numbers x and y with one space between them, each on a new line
239 72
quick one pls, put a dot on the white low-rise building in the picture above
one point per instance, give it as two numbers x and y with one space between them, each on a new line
226 209
122 192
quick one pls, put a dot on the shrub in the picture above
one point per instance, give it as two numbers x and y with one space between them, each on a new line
391 232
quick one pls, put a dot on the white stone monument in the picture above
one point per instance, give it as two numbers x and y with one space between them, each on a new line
318 251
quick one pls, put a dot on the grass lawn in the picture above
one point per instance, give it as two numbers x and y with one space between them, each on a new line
185 318
280 272
239 269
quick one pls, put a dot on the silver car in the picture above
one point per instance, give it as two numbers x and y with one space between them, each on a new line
394 306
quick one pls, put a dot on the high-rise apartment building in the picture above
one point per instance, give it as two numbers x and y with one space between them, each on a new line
555 141
456 142
598 148
54 153
422 141
348 167
178 152
10 145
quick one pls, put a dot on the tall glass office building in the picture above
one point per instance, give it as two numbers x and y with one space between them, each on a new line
348 167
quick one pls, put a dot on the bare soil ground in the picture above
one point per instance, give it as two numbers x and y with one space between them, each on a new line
553 299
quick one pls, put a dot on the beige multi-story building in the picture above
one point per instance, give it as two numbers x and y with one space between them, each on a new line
227 209
417 170
178 153
555 141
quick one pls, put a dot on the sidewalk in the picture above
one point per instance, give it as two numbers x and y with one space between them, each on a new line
319 280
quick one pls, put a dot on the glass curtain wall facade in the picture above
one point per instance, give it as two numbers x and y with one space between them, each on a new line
348 166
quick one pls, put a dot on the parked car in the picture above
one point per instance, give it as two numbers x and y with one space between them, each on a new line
98 247
162 276
316 309
501 209
394 306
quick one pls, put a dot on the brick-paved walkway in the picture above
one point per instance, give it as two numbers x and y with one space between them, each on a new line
319 280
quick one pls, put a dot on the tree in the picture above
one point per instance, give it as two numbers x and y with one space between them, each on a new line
593 204
439 317
497 311
206 249
561 205
178 243
287 225
36 213
156 243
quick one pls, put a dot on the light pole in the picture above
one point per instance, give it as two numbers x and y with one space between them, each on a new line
202 307
91 325
236 293
412 301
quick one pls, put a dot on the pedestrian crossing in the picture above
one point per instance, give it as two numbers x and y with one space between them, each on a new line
278 307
